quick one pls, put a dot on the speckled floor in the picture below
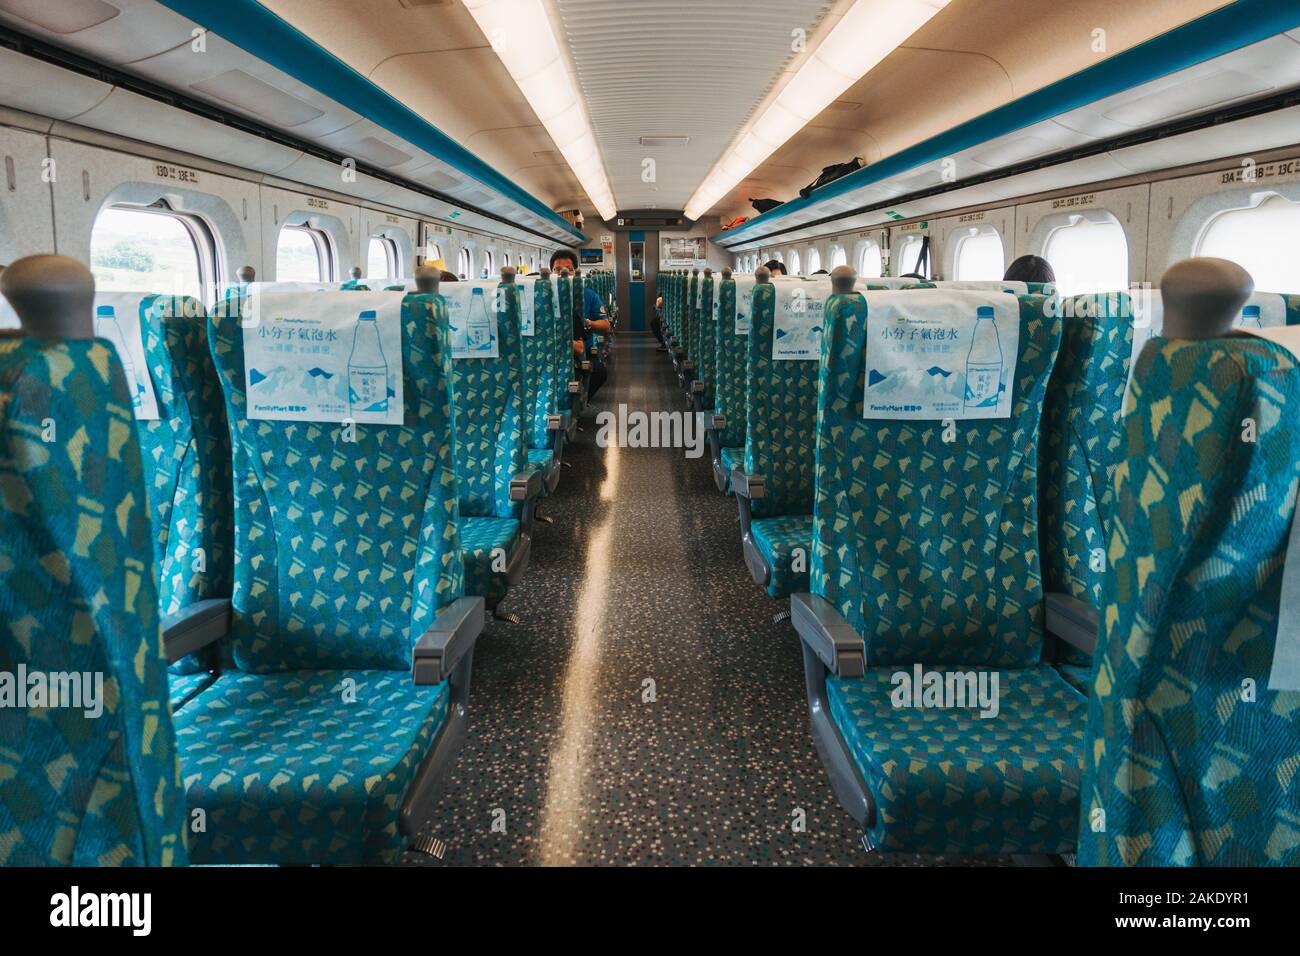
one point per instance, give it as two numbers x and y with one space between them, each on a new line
646 710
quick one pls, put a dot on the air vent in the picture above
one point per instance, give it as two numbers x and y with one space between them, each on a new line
379 153
250 94
844 106
665 140
69 16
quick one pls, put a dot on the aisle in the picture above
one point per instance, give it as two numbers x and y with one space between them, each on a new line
638 591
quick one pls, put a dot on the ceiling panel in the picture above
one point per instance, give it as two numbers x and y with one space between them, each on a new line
676 68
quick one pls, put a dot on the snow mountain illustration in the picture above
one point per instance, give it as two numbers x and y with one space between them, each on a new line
314 383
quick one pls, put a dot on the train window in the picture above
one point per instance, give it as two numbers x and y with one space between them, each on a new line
463 264
979 255
793 268
134 249
909 254
871 265
814 261
432 252
838 257
1261 239
1088 255
488 267
382 259
303 255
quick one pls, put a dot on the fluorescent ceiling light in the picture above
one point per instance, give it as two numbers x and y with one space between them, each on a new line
865 35
520 32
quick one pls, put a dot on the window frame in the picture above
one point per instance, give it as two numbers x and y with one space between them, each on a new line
203 240
325 256
968 233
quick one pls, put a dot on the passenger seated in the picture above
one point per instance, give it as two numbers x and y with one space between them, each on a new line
775 268
1030 269
592 318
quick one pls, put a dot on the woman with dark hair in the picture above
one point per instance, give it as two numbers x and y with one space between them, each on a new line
1030 269
775 267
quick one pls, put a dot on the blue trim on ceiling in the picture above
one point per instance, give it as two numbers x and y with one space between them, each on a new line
1229 28
256 30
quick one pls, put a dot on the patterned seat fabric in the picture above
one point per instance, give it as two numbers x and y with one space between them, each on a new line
1080 448
79 596
929 549
541 458
186 455
1191 759
321 758
729 362
344 553
691 319
785 543
538 355
489 441
487 544
732 458
563 291
945 777
780 440
707 324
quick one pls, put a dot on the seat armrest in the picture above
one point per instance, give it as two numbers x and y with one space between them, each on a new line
1072 620
715 422
526 485
585 365
747 486
697 387
195 626
558 423
828 635
449 638
575 388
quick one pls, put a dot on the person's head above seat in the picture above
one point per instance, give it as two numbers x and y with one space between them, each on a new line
1030 269
775 267
564 262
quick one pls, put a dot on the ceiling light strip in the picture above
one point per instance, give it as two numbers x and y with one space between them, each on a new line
521 34
865 35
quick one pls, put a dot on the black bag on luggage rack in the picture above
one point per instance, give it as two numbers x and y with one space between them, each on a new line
832 173
764 205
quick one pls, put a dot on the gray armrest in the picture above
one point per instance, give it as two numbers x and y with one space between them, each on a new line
828 635
558 423
1074 621
697 387
526 485
747 486
195 626
715 423
585 365
575 388
448 639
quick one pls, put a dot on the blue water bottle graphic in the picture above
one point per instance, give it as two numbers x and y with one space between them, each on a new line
1250 317
478 327
107 327
984 362
367 372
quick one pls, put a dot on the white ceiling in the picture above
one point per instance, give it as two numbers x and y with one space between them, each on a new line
676 68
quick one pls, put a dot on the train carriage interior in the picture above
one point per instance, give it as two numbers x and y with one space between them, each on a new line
915 485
